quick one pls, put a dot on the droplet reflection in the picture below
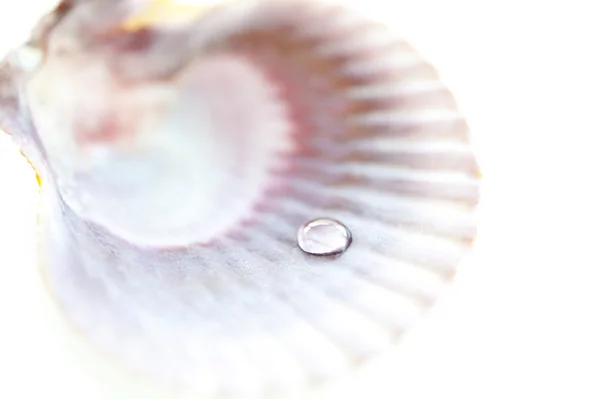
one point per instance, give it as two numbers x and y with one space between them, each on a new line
324 236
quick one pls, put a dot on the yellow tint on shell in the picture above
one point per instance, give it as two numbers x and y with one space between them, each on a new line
163 11
37 175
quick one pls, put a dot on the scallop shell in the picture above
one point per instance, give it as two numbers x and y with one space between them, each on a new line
347 123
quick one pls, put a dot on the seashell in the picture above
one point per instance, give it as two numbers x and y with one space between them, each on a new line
180 156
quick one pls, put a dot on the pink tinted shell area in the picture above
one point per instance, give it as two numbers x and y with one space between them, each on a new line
377 144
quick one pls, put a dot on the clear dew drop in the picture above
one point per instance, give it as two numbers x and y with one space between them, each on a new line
324 237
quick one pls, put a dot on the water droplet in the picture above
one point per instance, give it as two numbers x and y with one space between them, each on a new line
324 236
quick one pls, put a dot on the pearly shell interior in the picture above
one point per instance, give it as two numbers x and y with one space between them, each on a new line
199 164
174 249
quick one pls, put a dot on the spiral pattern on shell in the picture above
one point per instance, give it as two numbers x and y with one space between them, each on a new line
370 137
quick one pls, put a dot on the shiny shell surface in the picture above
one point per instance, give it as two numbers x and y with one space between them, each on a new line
183 252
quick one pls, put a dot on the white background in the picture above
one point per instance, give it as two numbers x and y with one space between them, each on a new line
523 317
